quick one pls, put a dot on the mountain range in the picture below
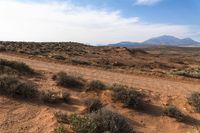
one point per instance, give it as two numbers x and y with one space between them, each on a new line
161 40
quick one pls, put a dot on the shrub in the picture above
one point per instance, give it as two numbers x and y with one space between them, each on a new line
63 79
60 129
50 97
100 122
173 112
61 117
2 48
19 66
96 85
13 86
108 121
128 96
194 100
93 105
7 70
58 57
66 97
82 124
191 73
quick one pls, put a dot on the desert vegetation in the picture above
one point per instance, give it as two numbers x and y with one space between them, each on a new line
194 100
61 117
96 85
101 121
128 96
15 87
66 102
160 61
14 66
66 80
93 105
174 112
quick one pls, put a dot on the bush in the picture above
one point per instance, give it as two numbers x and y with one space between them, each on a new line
14 87
58 57
19 66
82 124
66 97
8 70
108 121
93 105
50 97
2 48
173 112
65 80
190 72
96 85
61 117
60 129
100 122
194 100
128 96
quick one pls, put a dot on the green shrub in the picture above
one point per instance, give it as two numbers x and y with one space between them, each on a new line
194 100
61 117
65 80
93 105
173 112
17 88
19 66
189 72
96 85
128 96
108 121
101 121
60 129
82 124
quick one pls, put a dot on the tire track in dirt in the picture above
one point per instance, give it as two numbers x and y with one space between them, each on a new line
163 86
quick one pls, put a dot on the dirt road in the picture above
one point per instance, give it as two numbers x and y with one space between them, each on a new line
162 86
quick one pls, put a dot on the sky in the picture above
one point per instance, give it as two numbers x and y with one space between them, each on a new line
98 22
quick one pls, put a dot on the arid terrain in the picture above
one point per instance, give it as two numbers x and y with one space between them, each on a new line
163 77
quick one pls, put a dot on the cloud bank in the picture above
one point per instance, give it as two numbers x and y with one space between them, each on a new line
64 21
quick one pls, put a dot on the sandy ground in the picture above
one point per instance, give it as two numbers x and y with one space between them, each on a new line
23 117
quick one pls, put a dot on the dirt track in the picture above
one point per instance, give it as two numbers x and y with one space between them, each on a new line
162 86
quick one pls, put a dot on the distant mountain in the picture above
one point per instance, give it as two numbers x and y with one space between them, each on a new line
170 40
126 44
161 40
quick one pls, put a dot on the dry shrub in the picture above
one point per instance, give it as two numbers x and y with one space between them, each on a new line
61 117
17 88
93 105
66 80
174 112
19 66
54 97
194 100
50 97
96 85
128 96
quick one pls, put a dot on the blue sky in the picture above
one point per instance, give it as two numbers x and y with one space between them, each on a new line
162 11
98 21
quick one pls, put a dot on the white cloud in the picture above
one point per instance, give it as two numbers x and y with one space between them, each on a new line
146 2
25 21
